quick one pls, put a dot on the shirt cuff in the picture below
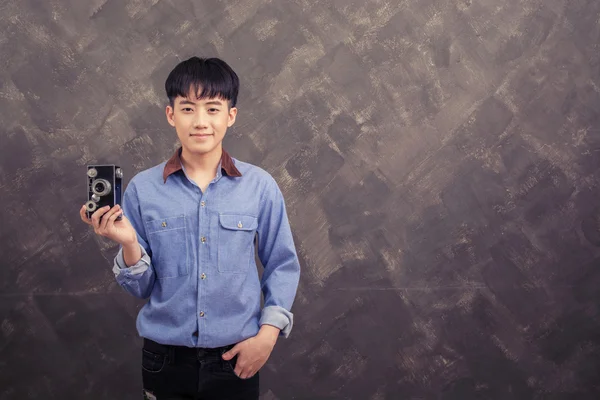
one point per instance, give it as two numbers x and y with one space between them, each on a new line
278 317
137 269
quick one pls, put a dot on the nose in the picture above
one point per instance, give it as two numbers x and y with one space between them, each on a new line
200 120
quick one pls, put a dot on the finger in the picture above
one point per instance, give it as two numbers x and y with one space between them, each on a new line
247 374
83 215
111 220
238 370
97 215
228 355
107 217
114 217
243 368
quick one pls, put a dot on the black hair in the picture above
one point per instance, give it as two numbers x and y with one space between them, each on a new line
213 75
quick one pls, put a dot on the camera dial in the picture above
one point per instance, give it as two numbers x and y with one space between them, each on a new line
91 206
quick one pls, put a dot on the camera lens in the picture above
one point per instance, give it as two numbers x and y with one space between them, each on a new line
101 187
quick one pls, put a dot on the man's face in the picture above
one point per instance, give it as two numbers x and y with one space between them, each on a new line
200 123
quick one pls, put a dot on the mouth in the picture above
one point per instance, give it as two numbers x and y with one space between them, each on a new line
200 135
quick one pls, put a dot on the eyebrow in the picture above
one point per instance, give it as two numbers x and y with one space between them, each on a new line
189 102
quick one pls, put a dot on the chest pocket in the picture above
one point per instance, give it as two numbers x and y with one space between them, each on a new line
168 242
236 242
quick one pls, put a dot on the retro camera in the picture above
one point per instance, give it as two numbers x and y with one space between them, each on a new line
105 184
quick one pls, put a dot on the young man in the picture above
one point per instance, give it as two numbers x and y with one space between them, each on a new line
187 243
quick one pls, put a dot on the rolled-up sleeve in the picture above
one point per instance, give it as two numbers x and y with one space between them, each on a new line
277 253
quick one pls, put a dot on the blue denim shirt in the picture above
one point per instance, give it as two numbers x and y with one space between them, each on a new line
198 264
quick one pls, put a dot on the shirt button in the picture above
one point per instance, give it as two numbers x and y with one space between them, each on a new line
202 203
203 276
202 313
203 239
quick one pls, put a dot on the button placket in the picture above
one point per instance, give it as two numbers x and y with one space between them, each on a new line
202 218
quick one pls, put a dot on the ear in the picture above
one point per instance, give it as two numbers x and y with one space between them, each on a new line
232 115
170 115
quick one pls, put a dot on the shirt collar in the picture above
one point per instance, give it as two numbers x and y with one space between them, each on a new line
174 165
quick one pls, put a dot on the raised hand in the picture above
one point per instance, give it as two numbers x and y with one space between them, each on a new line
104 221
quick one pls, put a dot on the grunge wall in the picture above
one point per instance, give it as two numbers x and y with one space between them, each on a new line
439 160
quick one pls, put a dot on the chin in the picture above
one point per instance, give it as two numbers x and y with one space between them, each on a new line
200 148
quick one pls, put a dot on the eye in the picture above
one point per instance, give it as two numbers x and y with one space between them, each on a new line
186 109
213 109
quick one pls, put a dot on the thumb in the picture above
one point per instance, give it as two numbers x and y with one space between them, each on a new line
228 355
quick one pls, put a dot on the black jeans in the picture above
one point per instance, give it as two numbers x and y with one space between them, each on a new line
174 372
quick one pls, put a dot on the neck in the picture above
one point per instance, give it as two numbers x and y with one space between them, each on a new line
202 164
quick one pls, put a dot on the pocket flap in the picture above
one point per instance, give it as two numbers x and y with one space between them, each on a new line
238 222
165 224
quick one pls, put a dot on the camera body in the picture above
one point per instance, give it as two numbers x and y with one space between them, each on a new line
105 187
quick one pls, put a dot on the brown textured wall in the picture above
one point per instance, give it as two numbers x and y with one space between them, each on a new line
439 160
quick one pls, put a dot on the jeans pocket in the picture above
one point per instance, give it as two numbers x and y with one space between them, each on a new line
228 366
153 362
236 242
168 242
